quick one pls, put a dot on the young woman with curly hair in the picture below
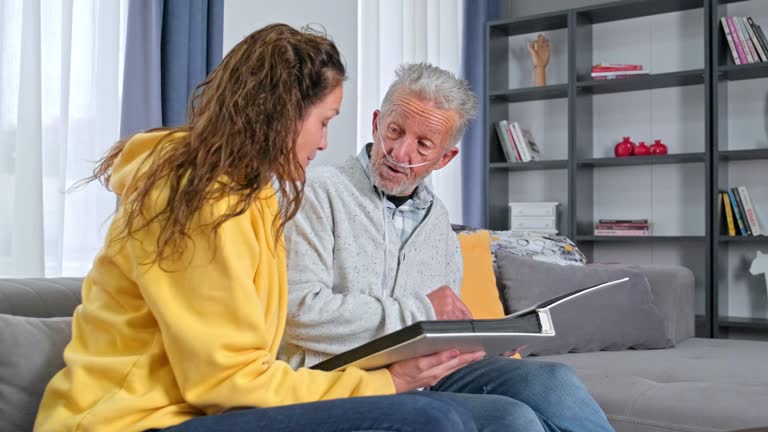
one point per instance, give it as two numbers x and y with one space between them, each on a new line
184 308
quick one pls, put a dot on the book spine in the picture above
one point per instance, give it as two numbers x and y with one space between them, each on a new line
728 214
755 40
743 39
741 211
750 210
762 37
618 233
622 226
513 142
623 221
750 44
727 32
503 140
519 138
736 214
736 40
616 67
617 73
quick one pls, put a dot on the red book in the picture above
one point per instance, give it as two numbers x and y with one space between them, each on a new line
616 67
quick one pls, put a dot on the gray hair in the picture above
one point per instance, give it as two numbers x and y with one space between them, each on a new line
438 86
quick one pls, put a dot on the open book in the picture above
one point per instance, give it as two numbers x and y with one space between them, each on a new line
494 336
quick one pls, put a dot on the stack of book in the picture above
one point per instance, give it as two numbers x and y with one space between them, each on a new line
622 227
517 143
604 71
745 39
740 217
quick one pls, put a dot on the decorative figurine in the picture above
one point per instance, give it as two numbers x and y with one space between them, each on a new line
658 148
539 50
624 148
642 149
760 266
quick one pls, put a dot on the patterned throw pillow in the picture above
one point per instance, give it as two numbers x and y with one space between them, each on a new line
541 247
555 249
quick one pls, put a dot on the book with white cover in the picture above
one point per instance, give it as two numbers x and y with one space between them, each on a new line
494 336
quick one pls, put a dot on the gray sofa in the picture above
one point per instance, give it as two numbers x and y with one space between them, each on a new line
699 385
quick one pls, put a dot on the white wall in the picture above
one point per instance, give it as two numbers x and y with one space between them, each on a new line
339 17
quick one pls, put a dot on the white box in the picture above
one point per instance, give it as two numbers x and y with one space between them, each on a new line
533 209
533 224
533 216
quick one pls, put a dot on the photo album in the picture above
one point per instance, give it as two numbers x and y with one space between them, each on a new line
494 336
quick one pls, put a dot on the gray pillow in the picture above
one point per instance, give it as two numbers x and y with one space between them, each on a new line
30 356
620 317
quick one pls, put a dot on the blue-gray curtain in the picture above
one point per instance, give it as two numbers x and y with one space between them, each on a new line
171 46
476 14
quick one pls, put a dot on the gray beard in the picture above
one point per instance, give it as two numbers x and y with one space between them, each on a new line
404 187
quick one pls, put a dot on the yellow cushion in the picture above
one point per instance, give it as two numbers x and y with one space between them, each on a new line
478 289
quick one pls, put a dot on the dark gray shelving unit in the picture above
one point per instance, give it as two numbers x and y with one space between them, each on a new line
733 166
572 179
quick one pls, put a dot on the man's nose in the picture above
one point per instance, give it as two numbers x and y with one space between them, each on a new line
401 151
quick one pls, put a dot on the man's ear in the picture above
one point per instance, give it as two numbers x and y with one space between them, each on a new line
447 157
374 122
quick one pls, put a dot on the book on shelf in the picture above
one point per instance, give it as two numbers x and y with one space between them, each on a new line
729 37
731 228
623 226
749 210
505 142
759 51
736 215
736 40
613 67
752 53
613 71
743 213
761 40
517 143
623 221
622 232
745 39
494 336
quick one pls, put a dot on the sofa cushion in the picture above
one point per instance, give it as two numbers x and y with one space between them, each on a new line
40 297
616 318
700 385
31 354
478 288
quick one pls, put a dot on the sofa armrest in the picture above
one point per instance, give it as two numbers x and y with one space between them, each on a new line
42 298
672 288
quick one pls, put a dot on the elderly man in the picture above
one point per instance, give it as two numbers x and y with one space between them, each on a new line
372 251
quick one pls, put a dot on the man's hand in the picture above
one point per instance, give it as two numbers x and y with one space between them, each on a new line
428 370
447 305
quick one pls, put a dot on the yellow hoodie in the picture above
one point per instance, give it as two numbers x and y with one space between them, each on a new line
151 349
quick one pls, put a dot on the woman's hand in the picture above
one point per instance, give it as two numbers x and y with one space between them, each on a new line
427 370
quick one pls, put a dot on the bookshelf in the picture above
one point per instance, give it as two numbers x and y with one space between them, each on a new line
740 157
693 99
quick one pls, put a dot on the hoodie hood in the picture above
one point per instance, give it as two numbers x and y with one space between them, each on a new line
129 162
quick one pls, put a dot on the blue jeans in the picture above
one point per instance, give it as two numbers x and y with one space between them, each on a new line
505 395
409 412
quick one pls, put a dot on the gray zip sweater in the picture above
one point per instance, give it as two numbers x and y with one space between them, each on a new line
338 297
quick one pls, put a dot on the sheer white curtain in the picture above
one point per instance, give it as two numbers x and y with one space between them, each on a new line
60 83
391 32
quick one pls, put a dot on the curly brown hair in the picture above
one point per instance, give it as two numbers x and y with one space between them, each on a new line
242 126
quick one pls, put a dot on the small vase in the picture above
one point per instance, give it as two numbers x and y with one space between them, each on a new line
658 148
624 148
642 149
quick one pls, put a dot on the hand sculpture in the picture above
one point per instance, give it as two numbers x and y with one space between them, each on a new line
539 50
